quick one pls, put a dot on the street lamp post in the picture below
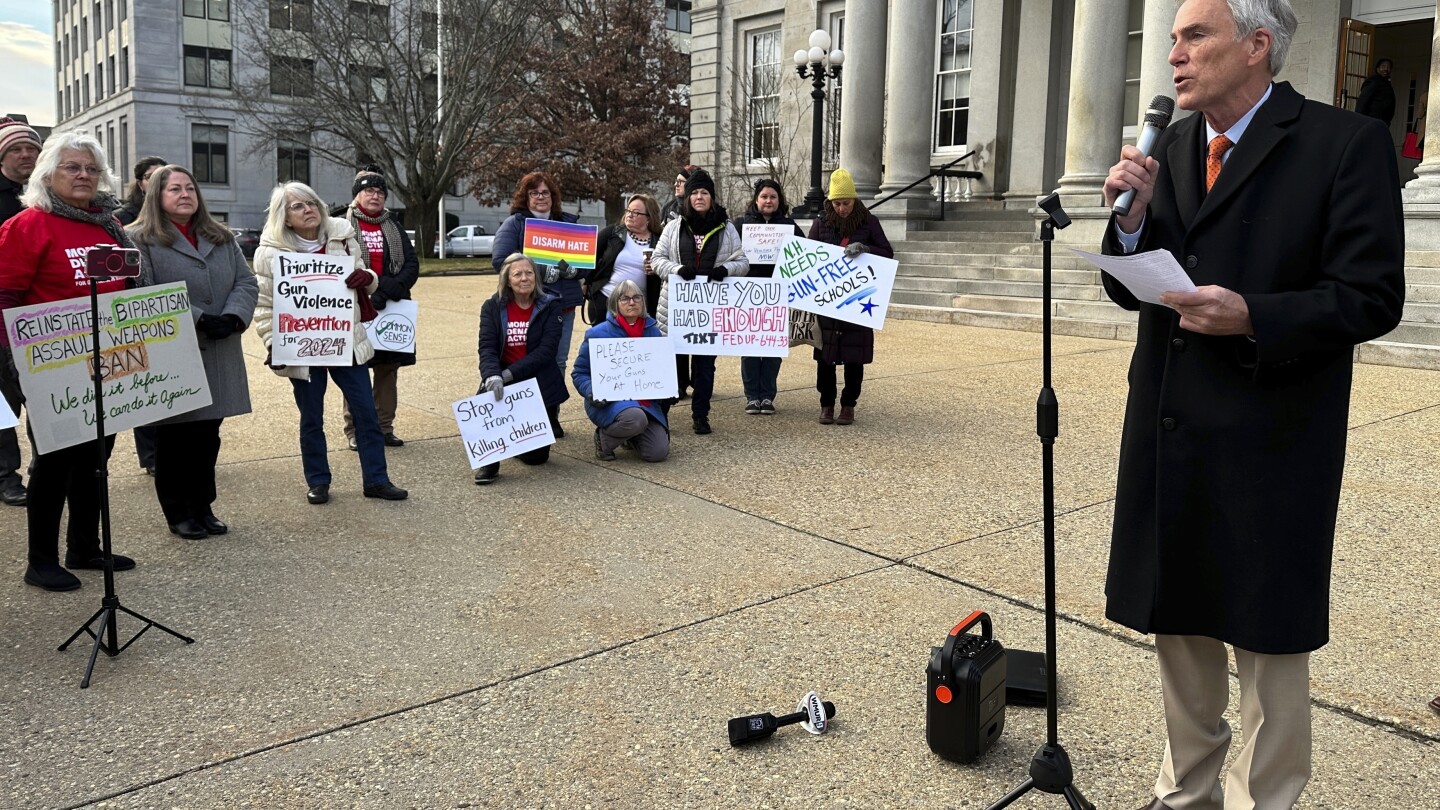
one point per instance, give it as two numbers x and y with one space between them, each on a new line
812 64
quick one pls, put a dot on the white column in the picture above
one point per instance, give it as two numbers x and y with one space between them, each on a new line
1423 193
909 117
1156 75
863 98
1097 100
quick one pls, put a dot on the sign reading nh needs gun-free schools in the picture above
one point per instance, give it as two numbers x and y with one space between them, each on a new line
820 279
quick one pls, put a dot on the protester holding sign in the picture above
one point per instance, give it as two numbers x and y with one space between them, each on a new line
701 242
296 223
640 424
760 375
847 223
67 205
393 259
624 255
520 329
537 197
180 241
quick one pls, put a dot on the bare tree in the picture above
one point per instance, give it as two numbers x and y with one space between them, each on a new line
356 81
754 140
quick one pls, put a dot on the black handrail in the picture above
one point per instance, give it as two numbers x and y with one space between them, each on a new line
932 173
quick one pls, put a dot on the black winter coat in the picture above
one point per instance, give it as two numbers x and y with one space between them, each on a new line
395 285
1233 449
9 198
841 341
1377 99
754 217
542 342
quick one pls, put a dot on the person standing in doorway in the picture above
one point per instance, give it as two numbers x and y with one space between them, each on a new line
1377 96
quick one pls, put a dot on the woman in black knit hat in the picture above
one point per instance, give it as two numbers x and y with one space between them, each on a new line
760 375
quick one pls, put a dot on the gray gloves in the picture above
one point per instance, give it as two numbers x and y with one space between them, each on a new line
506 377
855 249
495 386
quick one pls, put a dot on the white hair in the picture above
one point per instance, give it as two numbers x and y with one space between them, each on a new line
276 230
1275 16
37 192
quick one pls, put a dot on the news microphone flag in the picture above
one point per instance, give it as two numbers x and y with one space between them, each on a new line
548 242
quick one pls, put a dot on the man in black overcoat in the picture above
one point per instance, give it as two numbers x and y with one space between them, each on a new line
1377 97
1286 215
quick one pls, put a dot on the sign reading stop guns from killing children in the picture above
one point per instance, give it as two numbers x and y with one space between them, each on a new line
819 279
314 312
150 366
493 430
739 316
632 368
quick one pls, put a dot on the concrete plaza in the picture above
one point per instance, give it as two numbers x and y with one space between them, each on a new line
577 634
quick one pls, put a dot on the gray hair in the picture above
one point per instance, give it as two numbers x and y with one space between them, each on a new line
276 230
612 304
1275 16
37 192
502 287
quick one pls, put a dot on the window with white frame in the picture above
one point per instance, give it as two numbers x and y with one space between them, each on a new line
1136 25
952 74
832 102
762 103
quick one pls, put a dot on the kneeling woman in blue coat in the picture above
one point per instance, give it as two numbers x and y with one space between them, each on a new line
640 424
519 337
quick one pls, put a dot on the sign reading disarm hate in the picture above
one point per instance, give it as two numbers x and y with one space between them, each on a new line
738 316
314 312
150 366
820 279
493 430
632 368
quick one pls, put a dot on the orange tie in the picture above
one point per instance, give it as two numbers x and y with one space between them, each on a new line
1213 161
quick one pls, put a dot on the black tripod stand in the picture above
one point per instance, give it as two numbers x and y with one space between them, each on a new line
107 634
1050 769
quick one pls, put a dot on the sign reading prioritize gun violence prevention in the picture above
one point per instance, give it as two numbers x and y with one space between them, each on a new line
548 242
632 368
761 243
314 312
150 366
739 316
493 430
394 329
819 279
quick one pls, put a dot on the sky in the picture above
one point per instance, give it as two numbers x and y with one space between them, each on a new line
27 58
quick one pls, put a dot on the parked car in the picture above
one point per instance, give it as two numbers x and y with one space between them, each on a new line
248 239
467 240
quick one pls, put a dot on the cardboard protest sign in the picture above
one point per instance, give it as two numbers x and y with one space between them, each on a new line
394 329
314 312
8 419
493 430
632 368
150 366
739 316
819 279
761 243
547 242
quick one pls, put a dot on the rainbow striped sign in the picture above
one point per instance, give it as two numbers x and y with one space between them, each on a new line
547 242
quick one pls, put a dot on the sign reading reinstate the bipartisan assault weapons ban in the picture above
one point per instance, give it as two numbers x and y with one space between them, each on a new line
739 316
632 368
314 312
819 279
496 429
150 366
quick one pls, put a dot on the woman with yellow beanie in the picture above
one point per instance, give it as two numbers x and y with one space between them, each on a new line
845 222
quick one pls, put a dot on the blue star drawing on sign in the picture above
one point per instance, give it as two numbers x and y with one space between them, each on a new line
866 306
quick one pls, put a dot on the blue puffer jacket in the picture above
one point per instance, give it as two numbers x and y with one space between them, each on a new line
509 238
580 374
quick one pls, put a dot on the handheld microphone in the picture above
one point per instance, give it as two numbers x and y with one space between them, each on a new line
748 729
1157 117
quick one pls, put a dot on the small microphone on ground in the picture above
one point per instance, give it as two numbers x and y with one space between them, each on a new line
813 715
1157 117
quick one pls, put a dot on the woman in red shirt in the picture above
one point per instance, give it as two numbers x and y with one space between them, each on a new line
68 206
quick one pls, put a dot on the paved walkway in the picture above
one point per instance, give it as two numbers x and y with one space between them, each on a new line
577 634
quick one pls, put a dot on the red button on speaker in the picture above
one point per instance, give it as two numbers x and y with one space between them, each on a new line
942 693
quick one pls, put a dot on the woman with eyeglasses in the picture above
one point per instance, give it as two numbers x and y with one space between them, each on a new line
761 375
67 212
623 254
537 197
296 223
519 335
638 424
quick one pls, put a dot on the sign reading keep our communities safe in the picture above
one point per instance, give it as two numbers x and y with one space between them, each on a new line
632 369
150 366
739 316
314 312
493 430
819 278
394 329
762 242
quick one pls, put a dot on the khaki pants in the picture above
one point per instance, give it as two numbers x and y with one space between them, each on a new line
387 398
1274 762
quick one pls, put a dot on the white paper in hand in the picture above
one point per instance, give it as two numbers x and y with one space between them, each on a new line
1146 275
7 418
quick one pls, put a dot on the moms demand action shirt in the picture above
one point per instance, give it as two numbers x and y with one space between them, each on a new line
44 255
374 240
517 331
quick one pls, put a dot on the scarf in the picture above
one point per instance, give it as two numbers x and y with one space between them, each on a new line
101 215
394 249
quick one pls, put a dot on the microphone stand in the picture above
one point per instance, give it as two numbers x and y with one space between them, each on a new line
1050 770
107 634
